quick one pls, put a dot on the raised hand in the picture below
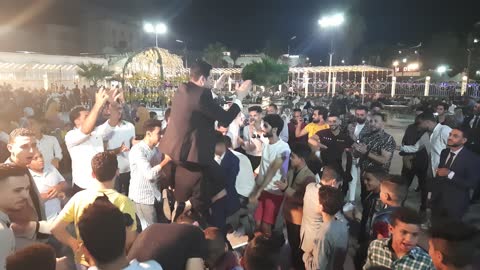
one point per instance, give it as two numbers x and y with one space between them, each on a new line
220 83
243 89
101 97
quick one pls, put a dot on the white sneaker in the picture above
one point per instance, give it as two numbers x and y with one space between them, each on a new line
349 206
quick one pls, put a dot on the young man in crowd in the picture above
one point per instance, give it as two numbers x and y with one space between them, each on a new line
442 115
120 141
14 196
292 126
400 251
331 241
452 245
318 123
253 140
312 219
273 167
36 256
48 145
146 164
103 229
50 183
273 109
104 170
261 254
219 257
298 177
86 140
392 194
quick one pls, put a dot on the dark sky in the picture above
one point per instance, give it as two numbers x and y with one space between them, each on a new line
247 24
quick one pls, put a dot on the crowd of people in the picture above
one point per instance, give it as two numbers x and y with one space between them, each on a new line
113 187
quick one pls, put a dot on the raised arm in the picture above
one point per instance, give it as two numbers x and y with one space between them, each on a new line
101 97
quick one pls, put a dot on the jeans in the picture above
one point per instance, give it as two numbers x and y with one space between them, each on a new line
147 214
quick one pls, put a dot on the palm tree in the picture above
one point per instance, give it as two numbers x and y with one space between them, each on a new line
93 72
213 54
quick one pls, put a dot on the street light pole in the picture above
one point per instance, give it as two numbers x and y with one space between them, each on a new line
331 22
184 51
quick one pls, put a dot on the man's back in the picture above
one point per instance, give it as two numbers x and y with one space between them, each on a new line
331 246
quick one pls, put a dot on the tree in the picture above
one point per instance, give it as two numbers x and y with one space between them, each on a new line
213 54
93 72
267 73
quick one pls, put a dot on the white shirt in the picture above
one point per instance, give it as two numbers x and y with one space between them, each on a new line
4 136
245 179
270 153
136 265
234 130
258 142
123 133
438 142
284 133
82 148
358 129
44 181
143 182
473 120
50 148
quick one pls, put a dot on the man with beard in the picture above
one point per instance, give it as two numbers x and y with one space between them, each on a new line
318 123
333 142
357 131
376 149
455 176
190 139
292 126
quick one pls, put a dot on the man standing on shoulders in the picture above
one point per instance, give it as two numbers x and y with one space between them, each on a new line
146 165
456 175
85 140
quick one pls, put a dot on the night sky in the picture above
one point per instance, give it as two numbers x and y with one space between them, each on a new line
245 25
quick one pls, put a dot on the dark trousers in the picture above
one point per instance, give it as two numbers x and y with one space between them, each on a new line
218 215
409 174
293 232
254 160
122 183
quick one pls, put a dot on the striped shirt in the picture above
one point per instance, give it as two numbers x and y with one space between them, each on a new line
380 253
143 182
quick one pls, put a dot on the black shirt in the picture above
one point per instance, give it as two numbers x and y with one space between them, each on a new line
336 145
171 245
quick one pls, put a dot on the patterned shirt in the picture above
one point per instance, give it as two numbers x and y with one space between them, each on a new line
380 253
376 142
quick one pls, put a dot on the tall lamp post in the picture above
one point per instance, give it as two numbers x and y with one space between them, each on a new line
184 51
329 22
157 29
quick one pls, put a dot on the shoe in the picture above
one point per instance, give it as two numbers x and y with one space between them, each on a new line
349 206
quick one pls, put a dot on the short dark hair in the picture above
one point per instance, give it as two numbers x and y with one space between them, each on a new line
425 116
321 111
459 244
20 132
275 121
332 172
215 244
361 108
397 185
151 124
257 109
331 199
36 256
377 172
297 110
200 68
405 215
465 131
260 254
219 138
334 115
274 106
104 166
10 169
444 105
103 231
381 115
153 115
228 141
301 150
75 113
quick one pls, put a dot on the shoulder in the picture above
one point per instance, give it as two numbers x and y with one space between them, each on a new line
378 243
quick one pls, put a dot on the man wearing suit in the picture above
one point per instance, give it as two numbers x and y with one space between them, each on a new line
472 124
190 138
455 176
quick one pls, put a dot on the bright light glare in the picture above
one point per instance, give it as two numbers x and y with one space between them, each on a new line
395 63
413 66
331 21
442 69
476 40
148 27
404 60
161 28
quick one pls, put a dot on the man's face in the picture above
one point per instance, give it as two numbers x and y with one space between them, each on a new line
116 111
456 139
360 116
440 110
329 182
371 182
297 116
476 109
271 110
404 236
23 149
334 122
154 135
220 149
436 255
253 116
268 130
37 163
295 160
316 118
376 123
14 192
81 118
